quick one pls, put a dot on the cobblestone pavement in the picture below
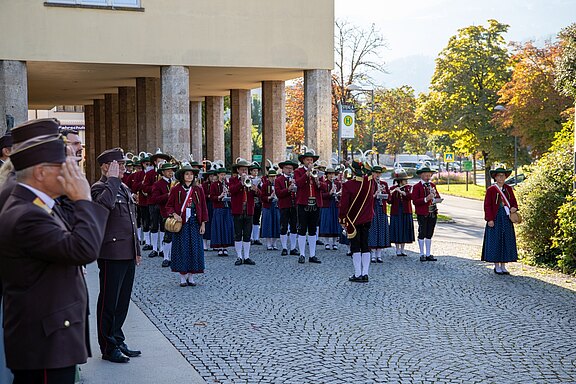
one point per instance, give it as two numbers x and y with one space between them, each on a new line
452 321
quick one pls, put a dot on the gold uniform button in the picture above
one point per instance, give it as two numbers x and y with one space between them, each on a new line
66 323
113 239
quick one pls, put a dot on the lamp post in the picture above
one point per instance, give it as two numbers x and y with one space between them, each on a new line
354 87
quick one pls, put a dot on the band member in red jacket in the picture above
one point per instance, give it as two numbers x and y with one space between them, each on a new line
159 197
285 188
211 177
356 213
425 197
270 212
243 193
401 221
222 224
379 237
187 204
143 214
308 202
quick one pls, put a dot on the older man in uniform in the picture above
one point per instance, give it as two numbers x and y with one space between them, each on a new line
119 255
45 295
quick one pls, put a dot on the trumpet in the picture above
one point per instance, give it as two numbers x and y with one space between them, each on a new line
314 173
246 181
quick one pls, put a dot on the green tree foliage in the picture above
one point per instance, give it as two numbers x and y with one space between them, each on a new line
464 90
256 125
566 62
534 107
540 197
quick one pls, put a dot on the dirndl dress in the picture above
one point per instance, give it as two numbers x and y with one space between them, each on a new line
208 232
500 241
379 234
222 228
401 227
329 225
271 222
187 249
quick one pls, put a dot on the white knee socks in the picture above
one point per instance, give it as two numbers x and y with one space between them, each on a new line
255 232
284 241
312 245
238 246
428 243
154 238
246 245
293 241
357 261
365 263
421 245
147 238
301 244
167 249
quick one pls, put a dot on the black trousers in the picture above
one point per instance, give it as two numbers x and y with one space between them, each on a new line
144 217
426 225
288 216
257 214
359 243
116 280
242 227
45 376
156 220
308 216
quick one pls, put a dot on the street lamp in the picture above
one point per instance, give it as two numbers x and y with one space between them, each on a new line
354 87
501 108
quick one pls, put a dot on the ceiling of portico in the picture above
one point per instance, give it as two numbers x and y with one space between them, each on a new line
51 83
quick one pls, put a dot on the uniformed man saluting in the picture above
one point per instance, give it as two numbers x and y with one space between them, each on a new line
45 295
119 255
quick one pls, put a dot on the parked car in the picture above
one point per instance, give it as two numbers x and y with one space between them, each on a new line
512 179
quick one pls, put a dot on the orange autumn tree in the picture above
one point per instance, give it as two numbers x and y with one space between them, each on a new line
295 113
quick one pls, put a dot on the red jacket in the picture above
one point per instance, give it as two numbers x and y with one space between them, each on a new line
159 195
395 199
360 208
241 195
136 187
419 192
206 188
327 196
149 179
176 200
307 187
266 193
215 191
493 199
383 189
286 198
126 178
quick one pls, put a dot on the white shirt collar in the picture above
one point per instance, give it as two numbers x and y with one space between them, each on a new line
44 197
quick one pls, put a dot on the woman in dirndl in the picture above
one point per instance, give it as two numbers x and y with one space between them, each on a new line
187 204
401 221
330 228
210 178
270 211
499 238
222 222
379 234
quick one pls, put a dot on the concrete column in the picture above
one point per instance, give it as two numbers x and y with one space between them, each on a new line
318 112
13 93
111 120
176 111
196 130
99 126
215 128
89 148
127 119
273 121
148 114
241 123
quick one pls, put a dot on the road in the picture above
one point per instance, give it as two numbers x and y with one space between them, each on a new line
468 225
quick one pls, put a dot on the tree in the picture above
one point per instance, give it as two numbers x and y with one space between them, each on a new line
295 113
357 52
256 125
464 90
566 62
534 107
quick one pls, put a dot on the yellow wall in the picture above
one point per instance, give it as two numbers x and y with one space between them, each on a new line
235 33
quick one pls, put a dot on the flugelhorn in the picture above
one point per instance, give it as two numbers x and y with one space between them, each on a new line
247 182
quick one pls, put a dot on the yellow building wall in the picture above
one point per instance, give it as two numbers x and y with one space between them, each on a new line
224 33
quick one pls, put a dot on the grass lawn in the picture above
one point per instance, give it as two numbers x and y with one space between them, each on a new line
474 191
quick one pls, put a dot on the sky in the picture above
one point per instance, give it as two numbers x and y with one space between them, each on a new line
417 30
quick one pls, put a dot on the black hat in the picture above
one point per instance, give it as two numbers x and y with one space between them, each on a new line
159 155
110 155
358 168
308 154
272 173
399 174
424 169
494 172
35 128
287 162
241 163
39 150
165 167
6 141
179 175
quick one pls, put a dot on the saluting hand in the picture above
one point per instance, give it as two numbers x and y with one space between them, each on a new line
113 170
76 187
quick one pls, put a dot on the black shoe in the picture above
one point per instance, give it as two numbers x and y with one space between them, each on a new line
294 252
301 259
116 357
334 247
379 260
165 263
256 242
153 254
373 260
238 261
161 254
224 252
319 242
284 252
355 279
249 261
275 248
402 254
327 247
183 284
364 278
268 248
147 247
314 260
190 284
505 272
431 258
423 258
128 352
498 273
349 254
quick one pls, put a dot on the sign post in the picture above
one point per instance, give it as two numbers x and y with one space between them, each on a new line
448 158
467 167
346 123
